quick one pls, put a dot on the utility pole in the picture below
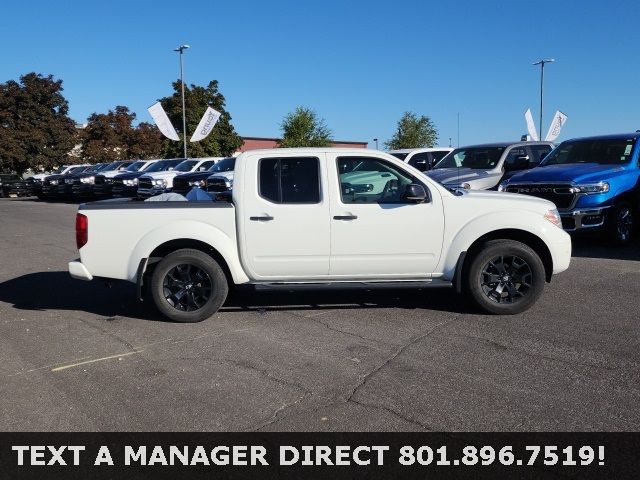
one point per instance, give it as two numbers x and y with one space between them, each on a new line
181 49
542 63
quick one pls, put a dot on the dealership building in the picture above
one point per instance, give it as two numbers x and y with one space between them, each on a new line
254 143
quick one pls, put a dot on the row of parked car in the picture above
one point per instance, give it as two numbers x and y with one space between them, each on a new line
141 178
594 181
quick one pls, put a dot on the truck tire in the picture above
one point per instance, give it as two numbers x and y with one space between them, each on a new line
504 277
620 223
188 286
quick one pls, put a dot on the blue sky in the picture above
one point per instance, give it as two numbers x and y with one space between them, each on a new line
359 64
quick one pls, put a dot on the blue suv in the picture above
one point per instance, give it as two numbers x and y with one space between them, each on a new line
593 181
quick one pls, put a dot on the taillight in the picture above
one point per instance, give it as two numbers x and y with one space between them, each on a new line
82 230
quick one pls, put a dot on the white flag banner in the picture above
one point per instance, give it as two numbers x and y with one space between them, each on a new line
207 122
559 119
531 127
162 121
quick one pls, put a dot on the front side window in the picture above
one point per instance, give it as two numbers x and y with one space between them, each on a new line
482 158
371 180
290 180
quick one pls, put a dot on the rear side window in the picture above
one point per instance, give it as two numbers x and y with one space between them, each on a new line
290 180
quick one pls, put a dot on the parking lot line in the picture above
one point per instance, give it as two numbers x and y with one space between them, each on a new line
111 357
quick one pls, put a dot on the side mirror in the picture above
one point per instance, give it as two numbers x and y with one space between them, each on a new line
519 163
416 193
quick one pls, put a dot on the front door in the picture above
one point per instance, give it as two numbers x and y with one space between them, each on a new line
375 233
285 218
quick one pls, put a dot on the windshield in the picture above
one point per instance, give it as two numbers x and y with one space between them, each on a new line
163 165
135 166
401 156
186 166
606 152
77 170
481 158
224 165
59 170
93 168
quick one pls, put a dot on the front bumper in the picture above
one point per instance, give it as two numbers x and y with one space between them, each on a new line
78 271
583 218
82 190
124 191
102 189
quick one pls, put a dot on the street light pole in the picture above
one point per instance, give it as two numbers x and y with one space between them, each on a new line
541 63
181 49
376 140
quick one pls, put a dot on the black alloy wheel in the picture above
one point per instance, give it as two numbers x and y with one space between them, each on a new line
503 277
506 279
187 288
188 285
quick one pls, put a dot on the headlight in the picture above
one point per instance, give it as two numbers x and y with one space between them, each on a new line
54 182
196 183
554 217
88 179
229 183
131 183
503 186
600 187
160 183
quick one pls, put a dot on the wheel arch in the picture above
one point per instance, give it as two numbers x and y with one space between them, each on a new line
530 239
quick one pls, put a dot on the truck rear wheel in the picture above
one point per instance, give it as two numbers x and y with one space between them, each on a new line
504 277
188 286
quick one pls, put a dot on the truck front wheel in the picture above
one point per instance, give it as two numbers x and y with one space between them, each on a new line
620 223
504 277
188 286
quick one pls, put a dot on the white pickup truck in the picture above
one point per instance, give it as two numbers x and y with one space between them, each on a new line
325 217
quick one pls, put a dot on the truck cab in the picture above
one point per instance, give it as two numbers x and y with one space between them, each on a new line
594 182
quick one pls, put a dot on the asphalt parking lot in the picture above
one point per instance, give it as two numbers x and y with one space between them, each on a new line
78 356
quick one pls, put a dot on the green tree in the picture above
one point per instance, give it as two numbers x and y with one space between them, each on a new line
222 141
111 136
303 128
413 132
146 142
35 129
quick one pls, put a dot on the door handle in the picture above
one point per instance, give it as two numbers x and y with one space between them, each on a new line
345 217
266 218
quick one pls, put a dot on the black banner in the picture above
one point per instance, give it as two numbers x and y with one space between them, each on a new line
320 455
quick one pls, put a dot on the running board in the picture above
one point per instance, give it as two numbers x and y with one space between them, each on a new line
416 284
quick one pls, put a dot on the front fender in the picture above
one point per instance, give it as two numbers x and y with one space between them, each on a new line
466 234
225 245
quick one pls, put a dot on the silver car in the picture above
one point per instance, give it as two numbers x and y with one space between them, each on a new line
483 167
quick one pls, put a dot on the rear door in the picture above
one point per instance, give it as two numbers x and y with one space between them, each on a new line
375 233
285 215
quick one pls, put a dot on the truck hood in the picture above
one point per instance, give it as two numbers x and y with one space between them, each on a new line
109 173
520 202
478 179
573 173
